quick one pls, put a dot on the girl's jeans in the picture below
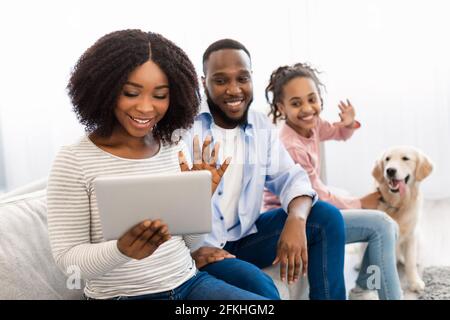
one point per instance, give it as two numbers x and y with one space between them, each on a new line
379 265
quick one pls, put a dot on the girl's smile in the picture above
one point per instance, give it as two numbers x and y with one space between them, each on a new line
308 117
301 105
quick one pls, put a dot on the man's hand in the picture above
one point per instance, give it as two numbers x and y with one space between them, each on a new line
292 251
207 255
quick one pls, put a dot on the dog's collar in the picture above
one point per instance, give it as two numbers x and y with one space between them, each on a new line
386 203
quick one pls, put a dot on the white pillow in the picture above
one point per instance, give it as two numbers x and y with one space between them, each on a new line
27 267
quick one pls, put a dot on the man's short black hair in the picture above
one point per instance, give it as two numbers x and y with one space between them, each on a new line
220 45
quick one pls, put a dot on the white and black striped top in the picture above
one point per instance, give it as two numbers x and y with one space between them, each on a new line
75 231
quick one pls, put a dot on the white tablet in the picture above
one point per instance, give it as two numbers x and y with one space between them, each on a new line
182 200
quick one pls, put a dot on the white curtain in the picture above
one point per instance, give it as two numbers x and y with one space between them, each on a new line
389 57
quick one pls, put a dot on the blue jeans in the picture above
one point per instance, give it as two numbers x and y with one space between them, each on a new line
380 232
326 241
201 286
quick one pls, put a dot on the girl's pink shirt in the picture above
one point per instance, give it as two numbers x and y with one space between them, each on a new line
306 152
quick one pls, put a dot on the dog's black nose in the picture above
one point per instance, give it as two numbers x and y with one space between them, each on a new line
391 172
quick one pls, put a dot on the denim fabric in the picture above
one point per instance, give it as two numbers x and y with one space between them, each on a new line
326 241
380 232
201 286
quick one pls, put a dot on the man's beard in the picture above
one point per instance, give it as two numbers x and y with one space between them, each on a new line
217 112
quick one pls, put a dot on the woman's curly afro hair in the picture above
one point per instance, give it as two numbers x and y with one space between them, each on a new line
101 72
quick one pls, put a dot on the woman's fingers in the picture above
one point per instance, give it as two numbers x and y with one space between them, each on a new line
196 151
183 162
159 235
210 255
219 255
211 259
148 234
224 254
214 154
131 235
143 239
153 242
200 262
206 154
224 166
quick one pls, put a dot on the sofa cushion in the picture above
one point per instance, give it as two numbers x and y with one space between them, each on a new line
295 291
27 267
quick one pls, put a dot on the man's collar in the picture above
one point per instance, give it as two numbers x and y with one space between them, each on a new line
204 108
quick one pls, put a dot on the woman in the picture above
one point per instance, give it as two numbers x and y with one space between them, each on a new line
130 90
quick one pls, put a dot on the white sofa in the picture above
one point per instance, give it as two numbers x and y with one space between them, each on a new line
27 268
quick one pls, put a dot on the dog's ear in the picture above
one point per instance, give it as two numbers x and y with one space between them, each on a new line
424 167
377 171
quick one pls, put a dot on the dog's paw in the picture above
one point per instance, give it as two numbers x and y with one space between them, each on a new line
416 285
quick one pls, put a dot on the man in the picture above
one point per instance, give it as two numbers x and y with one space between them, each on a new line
304 236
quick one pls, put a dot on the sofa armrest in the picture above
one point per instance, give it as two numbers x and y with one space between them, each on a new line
24 190
27 267
295 291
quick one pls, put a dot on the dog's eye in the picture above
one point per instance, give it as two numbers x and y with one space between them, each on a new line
405 158
387 159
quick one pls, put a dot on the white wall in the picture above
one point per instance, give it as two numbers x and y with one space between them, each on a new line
388 57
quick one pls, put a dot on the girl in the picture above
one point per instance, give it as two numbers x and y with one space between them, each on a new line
295 95
131 90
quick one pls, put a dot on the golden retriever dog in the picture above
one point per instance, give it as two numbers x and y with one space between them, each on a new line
398 174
